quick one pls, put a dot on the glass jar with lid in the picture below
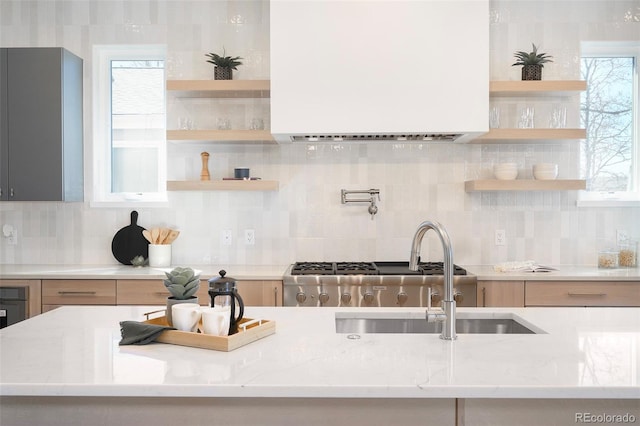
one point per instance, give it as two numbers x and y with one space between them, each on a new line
628 253
608 258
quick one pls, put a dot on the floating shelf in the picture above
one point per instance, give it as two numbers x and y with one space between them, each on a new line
502 135
260 136
524 185
220 88
222 185
541 88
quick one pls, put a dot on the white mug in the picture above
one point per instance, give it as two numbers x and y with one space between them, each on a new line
186 316
215 321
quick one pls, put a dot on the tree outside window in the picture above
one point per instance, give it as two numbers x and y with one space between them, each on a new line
607 113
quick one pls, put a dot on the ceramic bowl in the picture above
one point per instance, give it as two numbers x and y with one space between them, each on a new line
505 171
545 171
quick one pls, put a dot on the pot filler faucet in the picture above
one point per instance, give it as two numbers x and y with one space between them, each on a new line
447 313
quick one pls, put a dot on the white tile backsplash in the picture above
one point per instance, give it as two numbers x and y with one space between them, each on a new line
304 219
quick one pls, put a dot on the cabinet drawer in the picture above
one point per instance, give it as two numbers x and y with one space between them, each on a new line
500 293
78 292
597 293
152 292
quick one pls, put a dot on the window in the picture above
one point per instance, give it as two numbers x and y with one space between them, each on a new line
129 147
610 156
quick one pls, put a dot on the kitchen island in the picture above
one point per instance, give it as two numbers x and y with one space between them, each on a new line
66 367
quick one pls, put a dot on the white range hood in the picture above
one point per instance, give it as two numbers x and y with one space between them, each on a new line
369 70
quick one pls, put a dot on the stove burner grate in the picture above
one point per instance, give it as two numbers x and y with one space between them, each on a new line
313 268
356 268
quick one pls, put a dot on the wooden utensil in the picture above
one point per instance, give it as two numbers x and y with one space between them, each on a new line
147 236
155 234
173 234
164 232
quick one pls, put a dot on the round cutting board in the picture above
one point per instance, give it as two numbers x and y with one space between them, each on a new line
129 242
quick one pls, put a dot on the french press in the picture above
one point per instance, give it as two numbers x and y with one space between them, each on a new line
223 292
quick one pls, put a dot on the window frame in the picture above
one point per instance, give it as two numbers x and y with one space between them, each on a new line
101 148
618 198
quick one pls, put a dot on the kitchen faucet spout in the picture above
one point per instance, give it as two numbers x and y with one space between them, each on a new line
447 313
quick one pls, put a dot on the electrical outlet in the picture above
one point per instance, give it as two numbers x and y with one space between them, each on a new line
500 237
249 237
11 233
621 236
227 239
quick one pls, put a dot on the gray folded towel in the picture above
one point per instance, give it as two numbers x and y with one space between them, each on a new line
139 333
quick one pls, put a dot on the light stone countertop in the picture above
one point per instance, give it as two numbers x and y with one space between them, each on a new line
128 272
276 272
563 273
584 353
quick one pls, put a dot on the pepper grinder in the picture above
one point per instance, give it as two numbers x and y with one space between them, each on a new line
204 174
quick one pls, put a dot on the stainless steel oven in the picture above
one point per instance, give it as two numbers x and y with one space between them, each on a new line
371 284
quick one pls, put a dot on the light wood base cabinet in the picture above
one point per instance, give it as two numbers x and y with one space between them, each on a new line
261 293
592 293
153 292
77 292
500 294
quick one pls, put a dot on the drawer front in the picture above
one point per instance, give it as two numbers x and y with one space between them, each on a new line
500 293
597 293
78 292
152 292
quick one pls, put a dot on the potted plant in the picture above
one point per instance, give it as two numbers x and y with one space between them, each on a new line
532 63
182 283
224 65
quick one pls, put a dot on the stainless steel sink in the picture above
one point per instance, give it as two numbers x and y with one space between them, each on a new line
381 324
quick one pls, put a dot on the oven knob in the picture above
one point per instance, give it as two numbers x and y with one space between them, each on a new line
346 298
458 296
323 298
402 298
301 297
368 297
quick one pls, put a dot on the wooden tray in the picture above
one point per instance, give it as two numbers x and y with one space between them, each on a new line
249 330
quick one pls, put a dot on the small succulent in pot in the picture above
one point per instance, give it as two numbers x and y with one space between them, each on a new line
532 63
182 283
223 64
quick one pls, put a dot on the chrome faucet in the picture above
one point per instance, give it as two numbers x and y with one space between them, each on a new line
447 313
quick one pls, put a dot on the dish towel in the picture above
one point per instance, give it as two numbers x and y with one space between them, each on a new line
138 333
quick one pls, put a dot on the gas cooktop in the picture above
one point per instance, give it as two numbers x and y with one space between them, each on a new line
370 268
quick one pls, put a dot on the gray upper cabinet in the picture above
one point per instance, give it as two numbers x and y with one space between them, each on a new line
41 130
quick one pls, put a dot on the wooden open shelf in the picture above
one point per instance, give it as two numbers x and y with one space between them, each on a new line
502 135
536 88
222 185
220 88
221 135
524 185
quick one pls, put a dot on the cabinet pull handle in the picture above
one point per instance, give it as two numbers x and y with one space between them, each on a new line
484 296
77 293
11 193
586 294
161 293
275 296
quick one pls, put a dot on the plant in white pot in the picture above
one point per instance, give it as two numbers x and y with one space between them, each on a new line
224 65
532 63
183 284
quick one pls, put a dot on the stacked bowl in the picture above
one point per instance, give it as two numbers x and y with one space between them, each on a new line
545 171
505 171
